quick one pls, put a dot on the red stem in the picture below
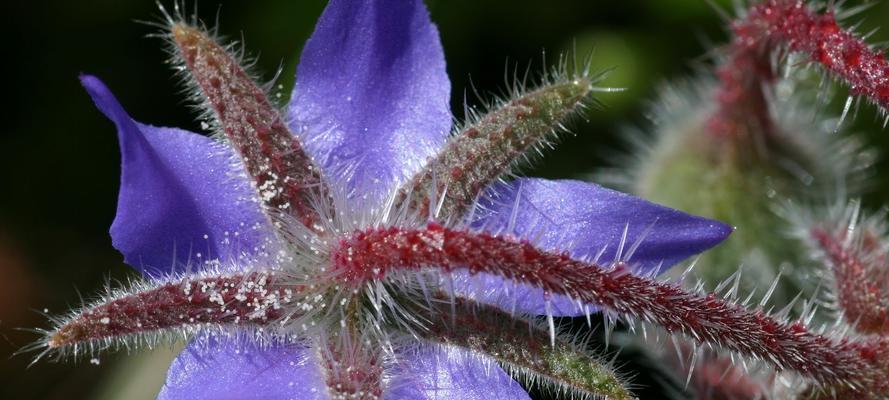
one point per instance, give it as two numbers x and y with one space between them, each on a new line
789 25
373 253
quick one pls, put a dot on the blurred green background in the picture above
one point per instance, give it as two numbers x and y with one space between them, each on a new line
60 164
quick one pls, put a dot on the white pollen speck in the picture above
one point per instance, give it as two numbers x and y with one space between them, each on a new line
95 361
206 236
205 125
105 320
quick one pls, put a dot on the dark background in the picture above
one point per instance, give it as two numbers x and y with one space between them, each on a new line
59 162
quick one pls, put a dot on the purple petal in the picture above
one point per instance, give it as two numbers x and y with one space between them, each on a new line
441 373
180 195
371 96
226 368
588 221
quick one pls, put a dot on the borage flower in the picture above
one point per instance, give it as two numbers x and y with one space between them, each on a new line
355 249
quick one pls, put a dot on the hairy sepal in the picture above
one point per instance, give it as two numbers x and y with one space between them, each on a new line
856 363
526 348
353 365
168 310
492 144
287 180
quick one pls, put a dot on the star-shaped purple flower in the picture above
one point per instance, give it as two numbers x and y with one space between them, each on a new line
366 255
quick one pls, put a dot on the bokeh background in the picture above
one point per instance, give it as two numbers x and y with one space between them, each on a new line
59 162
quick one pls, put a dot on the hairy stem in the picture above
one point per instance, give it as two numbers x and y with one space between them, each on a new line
861 364
789 25
285 176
